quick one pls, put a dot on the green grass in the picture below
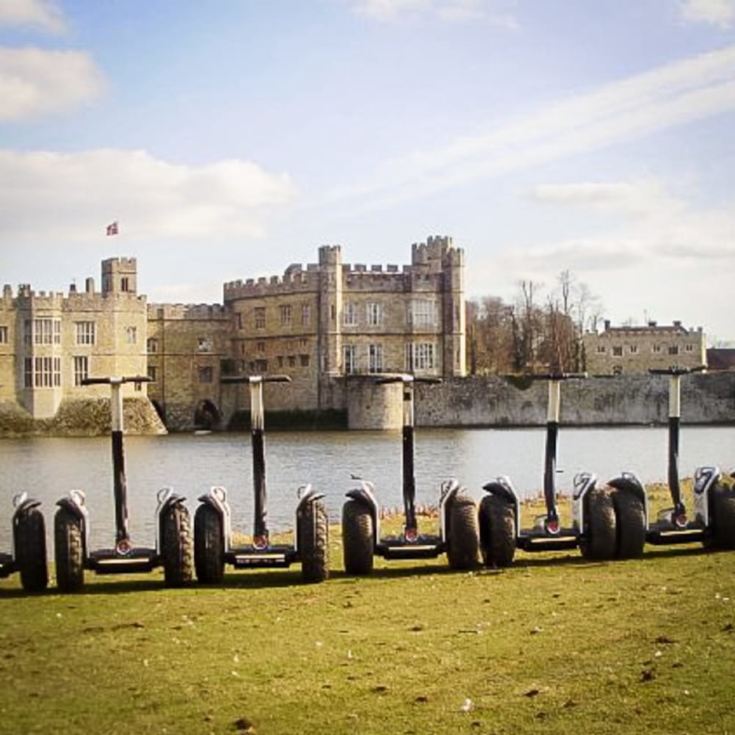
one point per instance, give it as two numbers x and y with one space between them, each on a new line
554 642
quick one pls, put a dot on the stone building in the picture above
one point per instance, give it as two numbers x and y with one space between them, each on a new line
638 349
332 320
319 325
50 341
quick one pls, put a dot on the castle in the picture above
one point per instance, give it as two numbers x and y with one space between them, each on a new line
319 325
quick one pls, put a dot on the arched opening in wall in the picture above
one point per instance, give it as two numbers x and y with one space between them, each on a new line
159 410
206 415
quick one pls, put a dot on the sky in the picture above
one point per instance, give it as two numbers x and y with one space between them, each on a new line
231 139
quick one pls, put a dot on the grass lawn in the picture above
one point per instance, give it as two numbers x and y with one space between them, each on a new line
554 642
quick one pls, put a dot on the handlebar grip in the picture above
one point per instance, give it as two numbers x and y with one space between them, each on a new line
277 379
255 379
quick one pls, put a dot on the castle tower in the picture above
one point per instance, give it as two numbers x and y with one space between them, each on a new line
120 275
453 308
330 310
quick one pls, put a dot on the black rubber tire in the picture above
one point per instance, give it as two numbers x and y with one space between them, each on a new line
30 550
630 522
314 542
209 545
497 531
357 538
599 539
68 551
177 549
723 521
463 533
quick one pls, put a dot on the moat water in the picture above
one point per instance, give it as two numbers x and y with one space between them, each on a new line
48 468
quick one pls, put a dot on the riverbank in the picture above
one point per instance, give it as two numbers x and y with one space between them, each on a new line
88 417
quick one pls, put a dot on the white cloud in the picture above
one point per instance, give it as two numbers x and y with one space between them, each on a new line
70 197
34 82
448 10
720 13
673 94
663 255
44 15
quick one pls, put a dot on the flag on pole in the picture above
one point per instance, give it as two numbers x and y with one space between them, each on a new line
112 228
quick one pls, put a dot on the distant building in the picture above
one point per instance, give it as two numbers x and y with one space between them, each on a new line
317 325
49 342
638 349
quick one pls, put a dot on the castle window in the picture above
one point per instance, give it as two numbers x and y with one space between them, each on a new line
292 360
375 358
28 372
206 374
44 331
280 361
617 351
350 359
374 314
633 349
601 349
349 315
259 315
152 344
152 373
688 348
204 344
673 349
85 333
131 335
46 372
3 335
420 356
656 348
304 360
422 313
260 347
124 284
239 320
286 315
81 369
305 315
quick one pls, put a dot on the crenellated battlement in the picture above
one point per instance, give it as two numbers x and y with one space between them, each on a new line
188 311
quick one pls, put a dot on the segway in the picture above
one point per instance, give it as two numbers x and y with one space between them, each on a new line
593 519
713 523
173 549
29 546
213 546
458 533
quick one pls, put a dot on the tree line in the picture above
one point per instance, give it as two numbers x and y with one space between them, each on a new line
537 331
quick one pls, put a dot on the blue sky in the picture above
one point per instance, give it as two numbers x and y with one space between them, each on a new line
230 139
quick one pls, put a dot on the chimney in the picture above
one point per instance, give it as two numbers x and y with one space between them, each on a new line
89 285
607 324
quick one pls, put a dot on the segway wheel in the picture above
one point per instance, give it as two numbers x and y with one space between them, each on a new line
357 538
463 533
30 550
313 530
599 537
630 523
497 531
723 510
176 545
209 545
69 551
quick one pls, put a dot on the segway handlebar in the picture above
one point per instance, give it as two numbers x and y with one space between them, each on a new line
405 379
256 379
114 380
553 376
676 370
